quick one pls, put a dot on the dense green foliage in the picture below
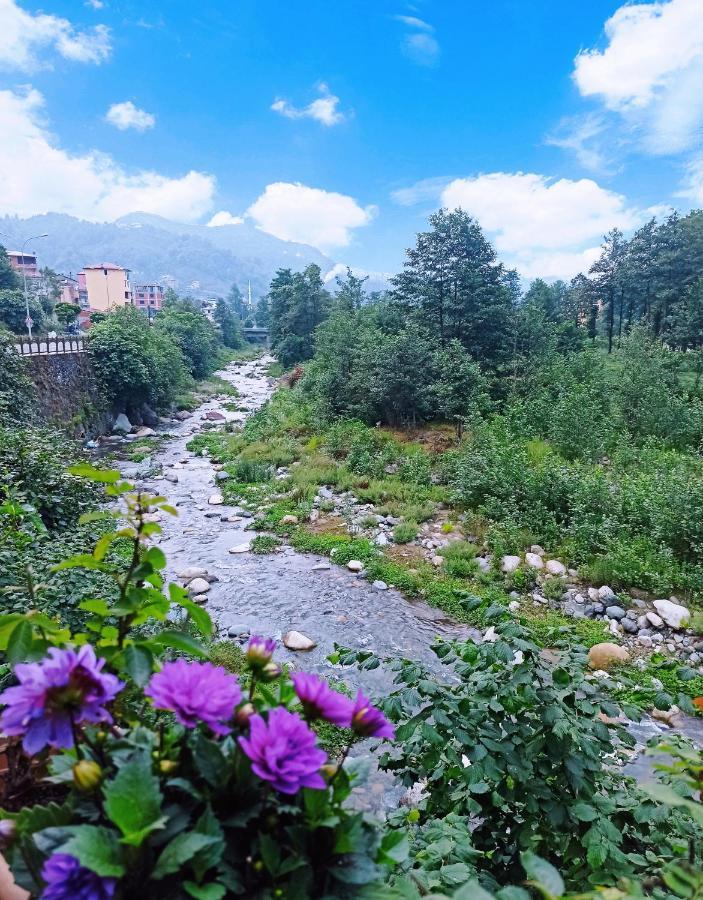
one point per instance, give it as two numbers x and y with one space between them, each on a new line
192 333
13 311
135 363
296 304
9 279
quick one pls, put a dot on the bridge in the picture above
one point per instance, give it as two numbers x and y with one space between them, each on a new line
256 335
51 346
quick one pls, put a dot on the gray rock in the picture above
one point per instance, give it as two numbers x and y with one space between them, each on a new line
221 476
606 593
149 417
615 612
629 625
122 424
198 586
380 585
321 567
644 640
598 608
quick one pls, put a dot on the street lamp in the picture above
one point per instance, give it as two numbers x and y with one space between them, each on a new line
28 321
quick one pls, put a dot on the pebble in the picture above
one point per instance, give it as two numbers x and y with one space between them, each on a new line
380 585
296 640
355 565
240 548
437 561
321 567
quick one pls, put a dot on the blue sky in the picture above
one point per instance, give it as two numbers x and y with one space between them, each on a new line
344 125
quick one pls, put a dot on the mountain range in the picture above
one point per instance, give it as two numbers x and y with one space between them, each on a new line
196 260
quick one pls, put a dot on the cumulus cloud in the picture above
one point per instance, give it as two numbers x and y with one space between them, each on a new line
419 43
324 109
545 227
25 39
650 73
39 176
295 212
224 218
127 115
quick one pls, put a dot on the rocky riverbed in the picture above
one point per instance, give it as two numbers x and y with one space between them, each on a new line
302 599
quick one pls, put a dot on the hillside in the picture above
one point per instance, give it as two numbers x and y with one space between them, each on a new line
201 261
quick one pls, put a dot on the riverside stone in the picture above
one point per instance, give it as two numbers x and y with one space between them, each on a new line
604 656
215 500
534 561
615 612
198 586
296 640
355 565
510 564
554 567
122 424
675 615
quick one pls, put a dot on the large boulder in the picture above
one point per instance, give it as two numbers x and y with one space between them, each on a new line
675 615
554 567
534 560
122 424
198 586
606 655
149 417
510 564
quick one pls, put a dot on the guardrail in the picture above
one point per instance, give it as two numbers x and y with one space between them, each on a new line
51 346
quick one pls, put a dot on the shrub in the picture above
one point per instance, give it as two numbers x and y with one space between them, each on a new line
265 543
405 532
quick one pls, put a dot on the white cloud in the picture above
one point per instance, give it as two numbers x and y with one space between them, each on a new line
419 43
25 39
651 72
692 188
324 109
127 115
224 218
543 227
295 212
95 4
585 136
39 176
414 22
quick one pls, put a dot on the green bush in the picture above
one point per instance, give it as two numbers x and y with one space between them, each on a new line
405 532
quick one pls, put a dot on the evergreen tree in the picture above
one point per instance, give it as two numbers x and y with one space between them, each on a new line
454 286
230 325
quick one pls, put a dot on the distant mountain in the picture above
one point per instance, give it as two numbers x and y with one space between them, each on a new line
193 259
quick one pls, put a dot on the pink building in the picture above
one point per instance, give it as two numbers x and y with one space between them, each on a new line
24 263
148 297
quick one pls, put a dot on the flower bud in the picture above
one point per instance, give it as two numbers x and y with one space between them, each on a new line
259 651
270 672
329 771
168 766
87 775
243 714
8 830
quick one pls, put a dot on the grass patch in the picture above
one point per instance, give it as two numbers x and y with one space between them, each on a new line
229 655
405 532
663 682
141 449
265 543
550 627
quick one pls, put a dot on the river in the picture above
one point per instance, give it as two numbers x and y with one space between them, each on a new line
273 593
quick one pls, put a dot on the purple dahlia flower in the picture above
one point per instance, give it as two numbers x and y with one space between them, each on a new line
320 701
196 692
368 721
67 879
283 751
67 687
259 651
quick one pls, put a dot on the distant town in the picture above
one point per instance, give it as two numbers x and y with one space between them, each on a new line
97 288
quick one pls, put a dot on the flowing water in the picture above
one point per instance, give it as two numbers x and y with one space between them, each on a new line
273 593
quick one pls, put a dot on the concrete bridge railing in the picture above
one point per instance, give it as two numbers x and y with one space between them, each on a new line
50 346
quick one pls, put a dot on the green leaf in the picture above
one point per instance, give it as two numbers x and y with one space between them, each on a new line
97 849
103 545
212 891
181 849
472 890
85 470
81 561
202 620
542 874
455 874
394 848
583 812
155 557
138 662
270 854
99 607
210 761
20 643
180 640
133 801
664 794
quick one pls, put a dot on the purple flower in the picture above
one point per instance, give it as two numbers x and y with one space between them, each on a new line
368 721
283 751
196 692
66 879
67 687
259 651
320 701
